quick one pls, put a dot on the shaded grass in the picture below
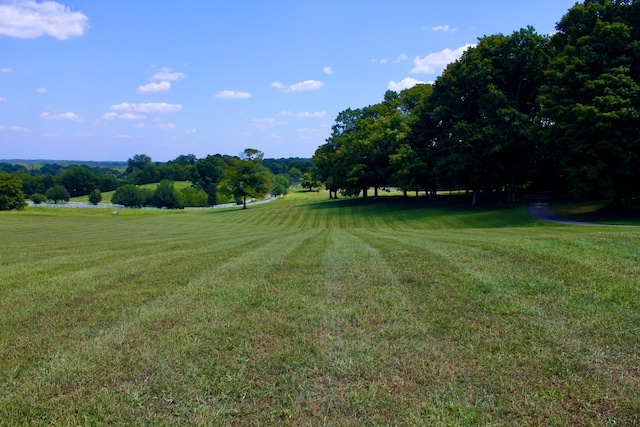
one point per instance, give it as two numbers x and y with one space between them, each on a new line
598 212
310 312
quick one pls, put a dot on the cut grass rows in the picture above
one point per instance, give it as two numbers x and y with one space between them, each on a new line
308 312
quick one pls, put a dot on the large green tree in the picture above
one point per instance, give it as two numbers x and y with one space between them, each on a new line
128 195
483 107
246 177
166 196
58 193
11 195
205 175
590 118
79 180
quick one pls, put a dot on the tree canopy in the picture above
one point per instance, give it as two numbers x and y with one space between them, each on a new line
516 112
246 176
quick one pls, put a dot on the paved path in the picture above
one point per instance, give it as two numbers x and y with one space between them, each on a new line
542 212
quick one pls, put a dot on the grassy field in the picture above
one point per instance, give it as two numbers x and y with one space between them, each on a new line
306 311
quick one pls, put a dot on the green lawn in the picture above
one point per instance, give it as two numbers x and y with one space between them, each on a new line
306 311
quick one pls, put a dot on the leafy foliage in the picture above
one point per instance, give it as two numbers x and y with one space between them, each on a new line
246 177
128 195
11 195
95 197
58 193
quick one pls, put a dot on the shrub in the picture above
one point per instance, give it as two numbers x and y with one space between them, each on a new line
38 198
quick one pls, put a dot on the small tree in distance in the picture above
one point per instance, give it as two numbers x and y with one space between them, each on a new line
57 193
95 197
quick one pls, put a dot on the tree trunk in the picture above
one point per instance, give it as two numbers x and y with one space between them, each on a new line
476 198
244 201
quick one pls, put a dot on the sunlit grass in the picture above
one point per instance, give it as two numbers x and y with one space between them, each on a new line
306 311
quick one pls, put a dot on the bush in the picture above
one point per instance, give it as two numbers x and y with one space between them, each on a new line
194 197
38 198
11 195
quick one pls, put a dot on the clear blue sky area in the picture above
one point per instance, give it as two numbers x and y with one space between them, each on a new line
107 79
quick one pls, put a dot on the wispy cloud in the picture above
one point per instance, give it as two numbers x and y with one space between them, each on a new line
18 129
306 114
6 70
266 123
437 61
299 87
3 99
150 107
230 94
400 58
403 84
327 70
41 90
163 86
444 28
167 74
125 116
167 126
61 116
28 19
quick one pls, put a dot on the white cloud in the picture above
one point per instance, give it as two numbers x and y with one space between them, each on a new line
3 99
168 75
62 116
444 28
167 126
285 113
123 136
400 58
27 19
191 131
403 84
266 123
230 94
18 129
125 116
327 70
383 61
6 70
41 90
436 62
306 114
299 87
263 123
150 107
163 86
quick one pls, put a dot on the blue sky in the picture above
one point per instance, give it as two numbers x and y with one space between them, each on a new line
107 79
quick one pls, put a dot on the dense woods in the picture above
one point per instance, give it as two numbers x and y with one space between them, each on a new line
515 113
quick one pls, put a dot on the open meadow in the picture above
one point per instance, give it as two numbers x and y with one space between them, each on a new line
309 311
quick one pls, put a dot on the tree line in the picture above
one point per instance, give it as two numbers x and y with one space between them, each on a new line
54 182
519 112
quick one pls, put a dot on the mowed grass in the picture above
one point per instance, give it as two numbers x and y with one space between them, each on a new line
306 311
